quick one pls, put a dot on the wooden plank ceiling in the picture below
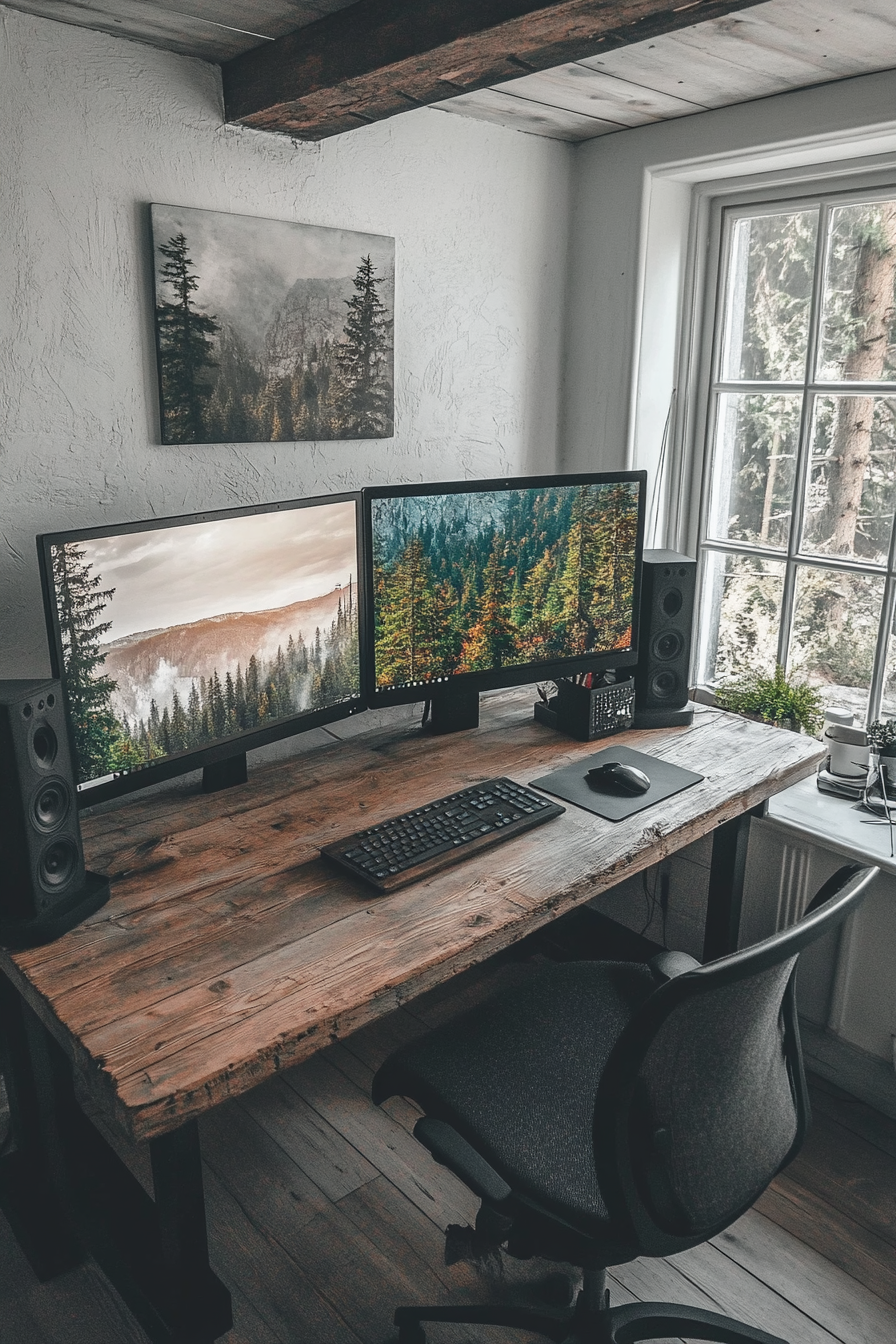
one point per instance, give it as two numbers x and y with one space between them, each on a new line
571 69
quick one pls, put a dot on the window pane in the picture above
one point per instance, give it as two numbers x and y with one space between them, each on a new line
852 478
770 265
835 625
740 615
888 698
753 467
859 318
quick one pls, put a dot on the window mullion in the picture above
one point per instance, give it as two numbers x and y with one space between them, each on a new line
888 612
821 389
787 604
879 668
744 387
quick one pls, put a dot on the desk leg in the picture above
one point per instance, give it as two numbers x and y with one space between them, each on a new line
28 1198
726 885
180 1205
154 1252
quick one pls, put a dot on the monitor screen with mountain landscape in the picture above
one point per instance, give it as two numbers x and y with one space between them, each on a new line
175 637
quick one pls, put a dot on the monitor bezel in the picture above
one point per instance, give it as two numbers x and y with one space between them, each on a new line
524 674
156 773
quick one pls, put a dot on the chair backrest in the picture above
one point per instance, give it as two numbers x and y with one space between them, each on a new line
704 1099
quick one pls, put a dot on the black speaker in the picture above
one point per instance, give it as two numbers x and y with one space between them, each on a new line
44 888
664 642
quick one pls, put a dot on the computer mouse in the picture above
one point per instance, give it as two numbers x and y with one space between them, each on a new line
614 777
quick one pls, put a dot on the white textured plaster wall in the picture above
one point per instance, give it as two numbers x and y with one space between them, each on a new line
92 129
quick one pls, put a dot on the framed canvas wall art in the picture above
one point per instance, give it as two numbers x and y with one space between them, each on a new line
268 330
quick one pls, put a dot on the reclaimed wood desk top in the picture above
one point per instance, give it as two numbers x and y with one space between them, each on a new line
229 949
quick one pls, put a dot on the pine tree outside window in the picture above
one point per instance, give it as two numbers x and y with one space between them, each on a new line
797 549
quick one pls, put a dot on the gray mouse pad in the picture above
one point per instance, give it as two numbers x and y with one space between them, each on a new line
571 785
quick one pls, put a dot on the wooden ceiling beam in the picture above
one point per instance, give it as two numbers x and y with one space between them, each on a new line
380 57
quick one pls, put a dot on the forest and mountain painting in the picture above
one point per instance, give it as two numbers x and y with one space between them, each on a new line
488 579
179 637
269 331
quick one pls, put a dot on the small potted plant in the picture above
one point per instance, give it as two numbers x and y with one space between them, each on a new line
775 699
882 737
882 741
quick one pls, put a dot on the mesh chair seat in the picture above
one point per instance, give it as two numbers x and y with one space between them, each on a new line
524 1096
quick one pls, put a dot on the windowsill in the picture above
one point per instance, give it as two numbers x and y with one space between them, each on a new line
837 824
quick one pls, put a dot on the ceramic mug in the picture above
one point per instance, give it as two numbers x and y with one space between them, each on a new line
848 752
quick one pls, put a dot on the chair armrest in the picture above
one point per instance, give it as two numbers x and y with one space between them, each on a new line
453 1152
666 965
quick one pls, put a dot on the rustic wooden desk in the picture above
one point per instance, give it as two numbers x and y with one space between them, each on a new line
229 951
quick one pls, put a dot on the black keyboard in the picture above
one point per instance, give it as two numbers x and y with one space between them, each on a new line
406 848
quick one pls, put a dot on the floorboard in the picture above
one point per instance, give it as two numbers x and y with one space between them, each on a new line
325 1214
822 1292
841 1241
851 1175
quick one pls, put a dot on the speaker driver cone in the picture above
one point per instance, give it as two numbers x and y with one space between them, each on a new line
51 805
672 602
44 744
667 646
58 864
663 685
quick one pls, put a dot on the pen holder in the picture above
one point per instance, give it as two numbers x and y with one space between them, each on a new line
588 713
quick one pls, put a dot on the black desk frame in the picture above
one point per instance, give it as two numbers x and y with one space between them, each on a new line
66 1193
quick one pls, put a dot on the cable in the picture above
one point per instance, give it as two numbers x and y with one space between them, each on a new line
6 1141
664 902
658 899
650 899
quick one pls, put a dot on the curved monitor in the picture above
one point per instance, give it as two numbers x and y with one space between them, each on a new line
472 585
182 642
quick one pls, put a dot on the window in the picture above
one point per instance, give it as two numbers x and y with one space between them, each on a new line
796 544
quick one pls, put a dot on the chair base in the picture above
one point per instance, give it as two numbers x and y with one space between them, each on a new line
612 1325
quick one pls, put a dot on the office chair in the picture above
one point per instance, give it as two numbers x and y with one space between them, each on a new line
609 1110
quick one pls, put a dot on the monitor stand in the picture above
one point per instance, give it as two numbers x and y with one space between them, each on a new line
454 708
224 774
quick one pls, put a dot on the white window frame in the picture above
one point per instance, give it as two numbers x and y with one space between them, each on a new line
683 465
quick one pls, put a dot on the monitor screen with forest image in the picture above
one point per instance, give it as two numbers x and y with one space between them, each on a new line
178 638
500 582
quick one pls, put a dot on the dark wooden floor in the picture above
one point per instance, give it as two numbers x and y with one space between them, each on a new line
325 1215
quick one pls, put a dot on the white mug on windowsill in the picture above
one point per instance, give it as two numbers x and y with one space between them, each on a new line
849 753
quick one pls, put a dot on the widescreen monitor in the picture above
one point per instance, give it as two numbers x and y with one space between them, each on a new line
182 642
474 585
